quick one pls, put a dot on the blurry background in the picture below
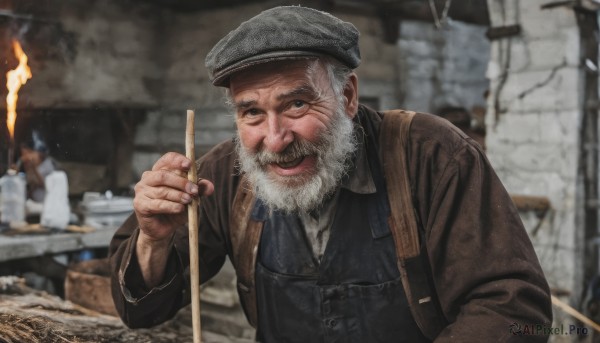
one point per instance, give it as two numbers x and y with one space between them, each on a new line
111 80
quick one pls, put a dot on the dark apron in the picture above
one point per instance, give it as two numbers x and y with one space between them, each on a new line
353 295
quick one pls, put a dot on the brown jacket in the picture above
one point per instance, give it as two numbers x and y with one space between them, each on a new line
484 268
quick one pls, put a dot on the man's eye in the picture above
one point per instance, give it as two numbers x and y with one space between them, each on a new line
251 112
298 103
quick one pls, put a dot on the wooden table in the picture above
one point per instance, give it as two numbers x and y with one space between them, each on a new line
23 246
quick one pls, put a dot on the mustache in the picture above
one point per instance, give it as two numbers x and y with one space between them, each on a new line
297 149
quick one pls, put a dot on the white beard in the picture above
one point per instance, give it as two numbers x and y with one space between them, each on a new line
292 194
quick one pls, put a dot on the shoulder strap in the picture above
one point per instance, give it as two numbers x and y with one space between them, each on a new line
394 139
245 236
413 262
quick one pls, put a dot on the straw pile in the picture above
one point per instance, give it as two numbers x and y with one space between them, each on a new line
16 329
32 316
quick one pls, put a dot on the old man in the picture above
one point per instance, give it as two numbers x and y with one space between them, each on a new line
304 203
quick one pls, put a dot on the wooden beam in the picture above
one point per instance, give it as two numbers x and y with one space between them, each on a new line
503 31
470 11
554 4
531 203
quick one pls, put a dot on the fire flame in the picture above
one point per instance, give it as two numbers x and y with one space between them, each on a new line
14 80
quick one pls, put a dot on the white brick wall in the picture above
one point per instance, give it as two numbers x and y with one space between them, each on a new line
440 68
534 144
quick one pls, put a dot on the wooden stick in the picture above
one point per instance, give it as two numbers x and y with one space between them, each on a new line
576 314
193 228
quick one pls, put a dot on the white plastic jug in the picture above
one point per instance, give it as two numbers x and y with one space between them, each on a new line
56 211
14 194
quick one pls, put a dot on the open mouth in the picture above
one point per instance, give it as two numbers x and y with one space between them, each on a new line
290 164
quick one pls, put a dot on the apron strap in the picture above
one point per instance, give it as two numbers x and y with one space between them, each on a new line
413 261
245 235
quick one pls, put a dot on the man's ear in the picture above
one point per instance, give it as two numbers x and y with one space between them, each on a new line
351 95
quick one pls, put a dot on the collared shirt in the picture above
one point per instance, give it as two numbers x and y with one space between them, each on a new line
317 224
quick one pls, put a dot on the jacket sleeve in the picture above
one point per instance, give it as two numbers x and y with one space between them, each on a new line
485 271
142 307
137 305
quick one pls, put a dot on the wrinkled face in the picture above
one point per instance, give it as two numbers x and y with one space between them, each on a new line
294 133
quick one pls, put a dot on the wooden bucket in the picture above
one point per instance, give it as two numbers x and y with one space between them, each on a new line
88 284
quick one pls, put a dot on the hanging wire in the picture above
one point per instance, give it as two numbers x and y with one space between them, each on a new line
437 20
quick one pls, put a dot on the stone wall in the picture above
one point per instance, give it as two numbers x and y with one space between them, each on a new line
442 67
533 128
83 55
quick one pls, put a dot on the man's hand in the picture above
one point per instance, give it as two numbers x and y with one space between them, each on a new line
160 203
162 195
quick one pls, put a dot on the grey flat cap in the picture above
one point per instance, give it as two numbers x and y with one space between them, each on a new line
286 32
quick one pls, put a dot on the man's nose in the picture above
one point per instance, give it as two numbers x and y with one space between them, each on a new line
278 135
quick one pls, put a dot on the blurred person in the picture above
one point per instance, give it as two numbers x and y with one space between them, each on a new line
37 164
